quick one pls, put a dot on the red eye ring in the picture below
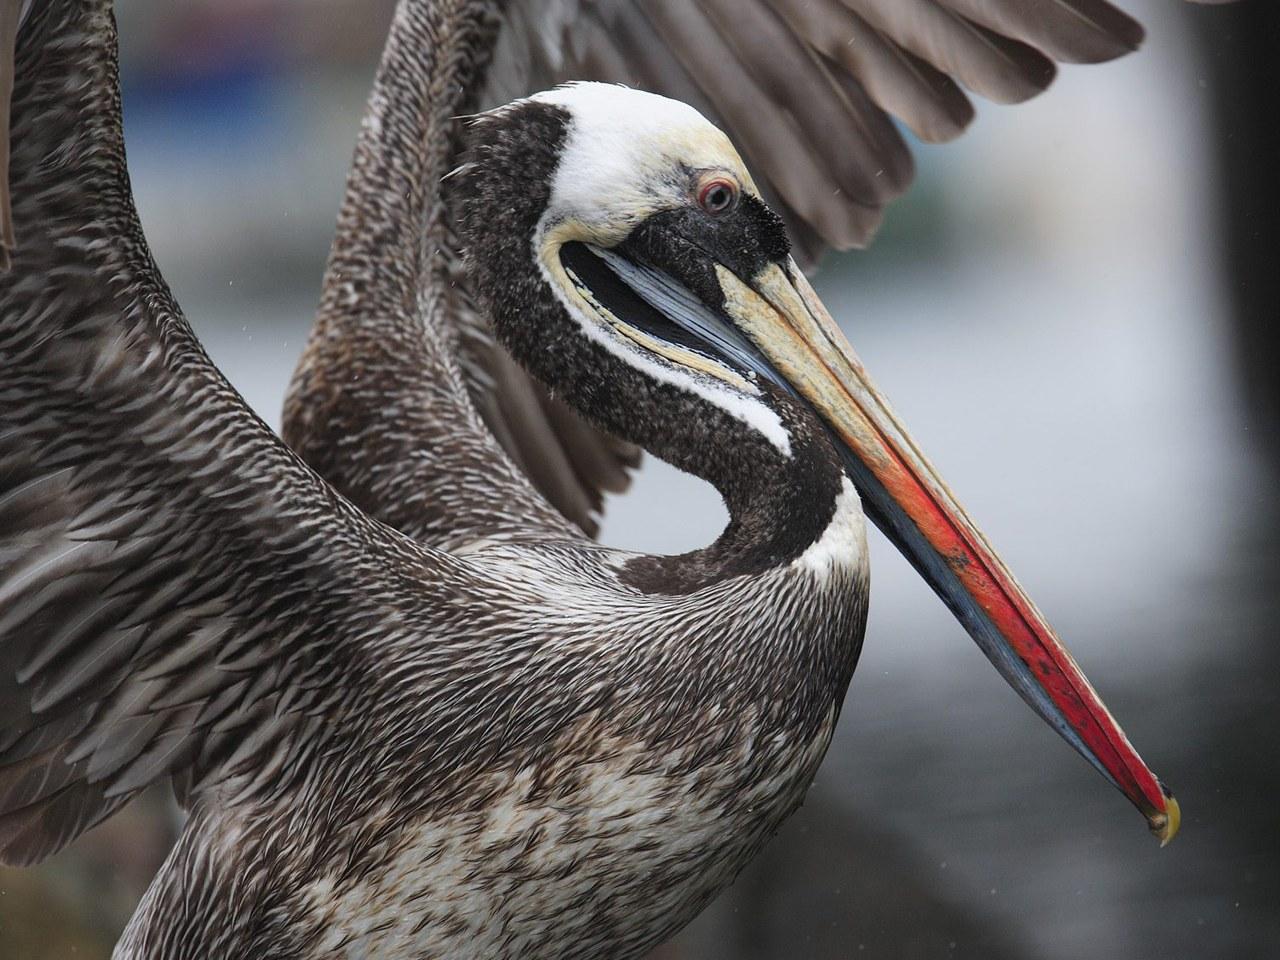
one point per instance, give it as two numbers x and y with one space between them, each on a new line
718 196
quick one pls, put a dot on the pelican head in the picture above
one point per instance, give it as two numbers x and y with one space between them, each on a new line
628 260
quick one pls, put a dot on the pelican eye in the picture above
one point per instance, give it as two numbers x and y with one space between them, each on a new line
718 196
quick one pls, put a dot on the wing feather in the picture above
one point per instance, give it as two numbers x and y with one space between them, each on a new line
920 95
821 75
175 586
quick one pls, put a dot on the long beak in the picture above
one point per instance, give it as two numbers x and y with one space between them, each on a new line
909 501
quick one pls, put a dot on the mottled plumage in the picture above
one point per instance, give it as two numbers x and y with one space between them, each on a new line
412 710
182 595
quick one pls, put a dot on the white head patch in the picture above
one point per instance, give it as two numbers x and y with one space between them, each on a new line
630 155
627 154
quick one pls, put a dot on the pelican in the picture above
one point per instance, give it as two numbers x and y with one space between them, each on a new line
411 707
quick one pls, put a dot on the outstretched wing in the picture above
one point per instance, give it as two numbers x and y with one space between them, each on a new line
177 591
441 435
809 89
402 401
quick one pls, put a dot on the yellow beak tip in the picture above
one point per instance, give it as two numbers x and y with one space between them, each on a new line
1165 825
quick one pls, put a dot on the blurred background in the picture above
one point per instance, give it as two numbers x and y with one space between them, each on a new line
1074 310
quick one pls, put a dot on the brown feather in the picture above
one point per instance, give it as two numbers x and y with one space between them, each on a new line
10 16
864 156
992 65
1070 31
600 466
770 136
921 96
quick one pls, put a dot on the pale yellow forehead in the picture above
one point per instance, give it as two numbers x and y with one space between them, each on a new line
703 146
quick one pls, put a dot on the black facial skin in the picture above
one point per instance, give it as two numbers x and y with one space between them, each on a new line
688 243
778 505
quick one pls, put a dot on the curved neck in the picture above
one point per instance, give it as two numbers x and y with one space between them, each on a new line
779 506
780 501
392 222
